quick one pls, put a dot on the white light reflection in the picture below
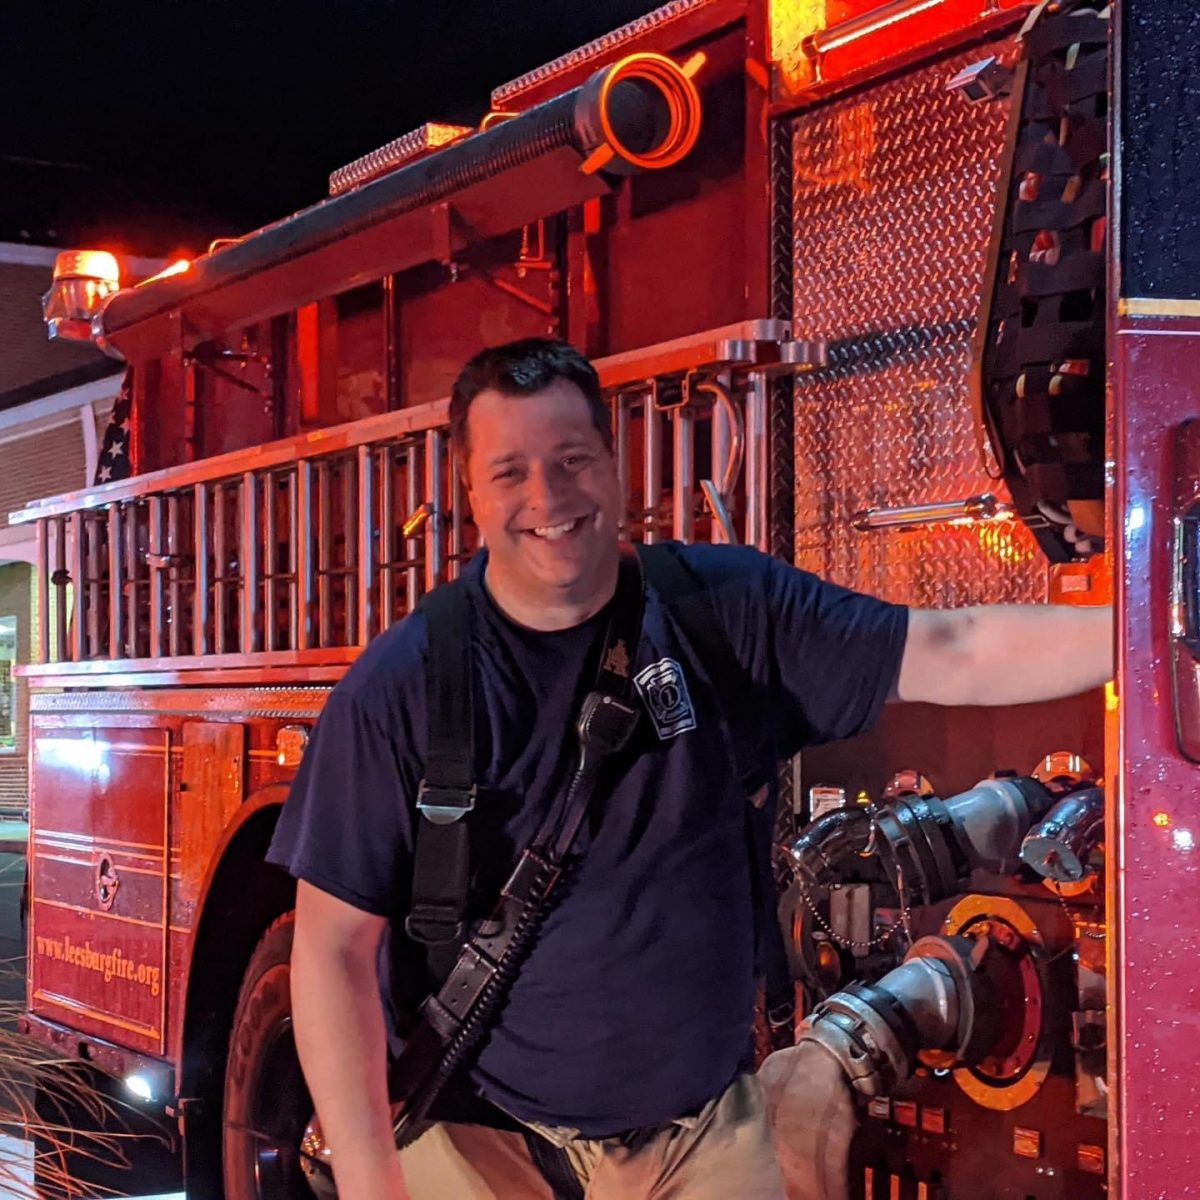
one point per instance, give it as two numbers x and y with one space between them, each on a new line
139 1086
1136 518
84 755
1183 841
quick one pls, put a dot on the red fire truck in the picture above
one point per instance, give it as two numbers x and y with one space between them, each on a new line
903 292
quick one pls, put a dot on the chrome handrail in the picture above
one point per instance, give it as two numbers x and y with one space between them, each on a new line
970 510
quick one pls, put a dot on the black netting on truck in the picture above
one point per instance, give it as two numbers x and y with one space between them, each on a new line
1040 352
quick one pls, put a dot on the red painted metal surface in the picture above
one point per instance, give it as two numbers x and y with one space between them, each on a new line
672 254
1155 824
141 801
100 867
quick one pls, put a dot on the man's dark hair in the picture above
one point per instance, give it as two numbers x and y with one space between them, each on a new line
522 368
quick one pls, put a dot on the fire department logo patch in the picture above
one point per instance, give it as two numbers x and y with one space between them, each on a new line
664 692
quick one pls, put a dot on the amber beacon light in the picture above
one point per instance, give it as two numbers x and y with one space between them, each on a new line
83 281
642 114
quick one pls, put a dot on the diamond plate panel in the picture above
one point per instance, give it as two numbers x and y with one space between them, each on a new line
780 454
782 486
395 154
893 195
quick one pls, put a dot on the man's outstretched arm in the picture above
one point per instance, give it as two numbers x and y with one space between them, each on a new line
1005 653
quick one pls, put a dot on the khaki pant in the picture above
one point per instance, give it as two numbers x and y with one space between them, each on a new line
725 1153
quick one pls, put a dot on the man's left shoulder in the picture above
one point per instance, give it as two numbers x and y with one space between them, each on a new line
722 566
732 584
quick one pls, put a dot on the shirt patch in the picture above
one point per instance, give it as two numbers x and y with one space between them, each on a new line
664 692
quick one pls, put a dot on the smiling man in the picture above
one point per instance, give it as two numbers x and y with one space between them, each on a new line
543 492
620 1063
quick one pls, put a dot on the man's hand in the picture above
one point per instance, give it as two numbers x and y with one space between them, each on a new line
342 1043
1005 654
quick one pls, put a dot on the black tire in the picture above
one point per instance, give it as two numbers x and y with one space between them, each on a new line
267 1104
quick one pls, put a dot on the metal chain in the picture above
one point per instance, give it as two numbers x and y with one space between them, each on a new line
1084 934
877 942
902 892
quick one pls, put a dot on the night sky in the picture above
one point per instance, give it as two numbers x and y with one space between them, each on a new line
153 125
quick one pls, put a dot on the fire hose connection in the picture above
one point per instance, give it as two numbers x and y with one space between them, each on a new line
940 998
930 844
1059 845
641 114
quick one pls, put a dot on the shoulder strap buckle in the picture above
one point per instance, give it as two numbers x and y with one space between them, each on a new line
443 805
435 926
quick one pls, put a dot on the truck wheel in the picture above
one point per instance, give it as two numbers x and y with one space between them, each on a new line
267 1104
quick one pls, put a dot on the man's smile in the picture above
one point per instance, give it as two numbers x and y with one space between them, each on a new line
555 533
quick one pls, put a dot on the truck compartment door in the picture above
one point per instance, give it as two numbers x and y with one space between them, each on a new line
100 853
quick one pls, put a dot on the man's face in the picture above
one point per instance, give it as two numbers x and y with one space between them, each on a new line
544 493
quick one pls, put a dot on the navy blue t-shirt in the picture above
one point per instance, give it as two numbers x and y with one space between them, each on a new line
635 1005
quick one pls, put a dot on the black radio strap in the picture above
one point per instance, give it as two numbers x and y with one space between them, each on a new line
460 1012
441 862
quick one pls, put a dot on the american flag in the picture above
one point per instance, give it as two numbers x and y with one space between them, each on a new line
115 461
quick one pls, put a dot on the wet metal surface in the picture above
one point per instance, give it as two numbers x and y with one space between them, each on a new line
1158 822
